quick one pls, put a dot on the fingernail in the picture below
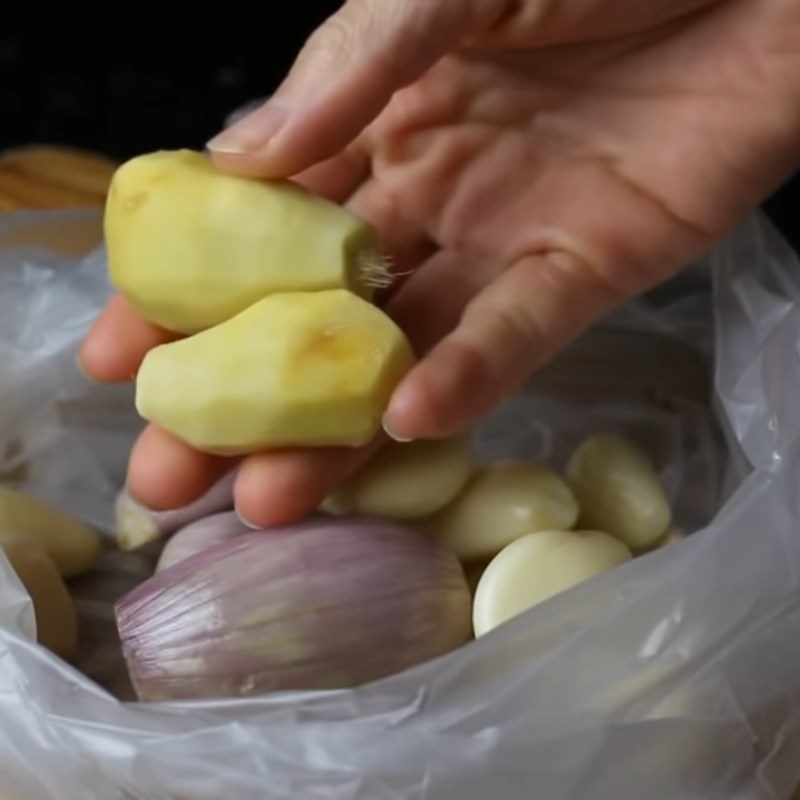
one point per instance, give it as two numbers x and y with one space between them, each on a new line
251 133
395 436
245 521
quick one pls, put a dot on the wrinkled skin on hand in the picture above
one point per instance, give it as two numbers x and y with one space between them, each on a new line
530 165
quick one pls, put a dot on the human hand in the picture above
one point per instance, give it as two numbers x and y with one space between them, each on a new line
530 166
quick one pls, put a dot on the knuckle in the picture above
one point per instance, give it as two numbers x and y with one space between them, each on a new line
349 31
330 44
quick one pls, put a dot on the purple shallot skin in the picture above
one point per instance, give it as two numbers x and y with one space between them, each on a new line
320 605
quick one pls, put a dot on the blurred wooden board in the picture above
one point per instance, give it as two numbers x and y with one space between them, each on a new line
43 177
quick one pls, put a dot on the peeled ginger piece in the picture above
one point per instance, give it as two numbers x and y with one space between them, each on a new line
73 546
537 567
56 618
300 369
191 246
406 480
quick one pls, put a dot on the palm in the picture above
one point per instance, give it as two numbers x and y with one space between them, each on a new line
627 156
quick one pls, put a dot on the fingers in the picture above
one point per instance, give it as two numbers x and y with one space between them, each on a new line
343 78
337 178
506 331
273 488
165 473
281 487
114 348
430 303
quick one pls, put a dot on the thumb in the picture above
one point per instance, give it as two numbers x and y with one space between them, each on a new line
342 79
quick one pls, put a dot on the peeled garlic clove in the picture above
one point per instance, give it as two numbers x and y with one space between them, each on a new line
190 245
328 605
537 567
73 546
136 525
56 618
199 536
406 480
294 370
504 501
618 490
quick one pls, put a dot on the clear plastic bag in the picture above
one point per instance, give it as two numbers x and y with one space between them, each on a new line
674 677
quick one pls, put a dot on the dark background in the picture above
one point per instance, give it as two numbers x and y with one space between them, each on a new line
166 75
